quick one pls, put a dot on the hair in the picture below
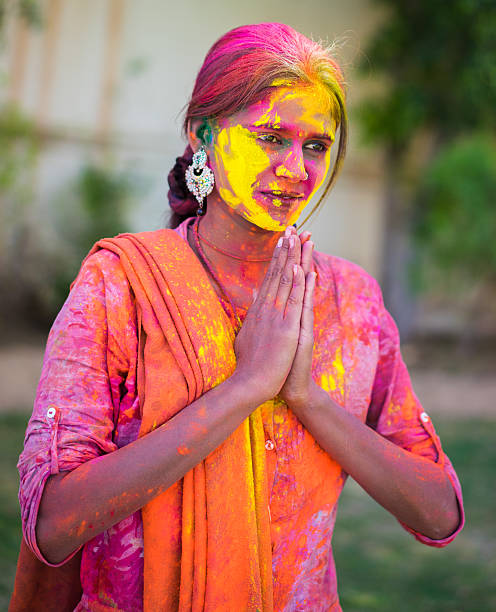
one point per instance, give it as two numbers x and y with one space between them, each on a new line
239 70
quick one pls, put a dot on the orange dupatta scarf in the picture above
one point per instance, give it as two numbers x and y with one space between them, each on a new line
207 543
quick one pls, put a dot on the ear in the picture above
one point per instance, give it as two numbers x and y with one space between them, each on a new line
200 133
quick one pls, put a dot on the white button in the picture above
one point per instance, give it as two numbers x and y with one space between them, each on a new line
51 413
424 416
269 445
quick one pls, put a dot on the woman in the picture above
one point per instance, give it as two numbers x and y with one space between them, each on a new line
206 391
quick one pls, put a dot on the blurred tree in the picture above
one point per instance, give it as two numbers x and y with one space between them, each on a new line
90 207
438 61
28 10
34 277
18 157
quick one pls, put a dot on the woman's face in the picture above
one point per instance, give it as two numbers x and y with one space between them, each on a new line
271 157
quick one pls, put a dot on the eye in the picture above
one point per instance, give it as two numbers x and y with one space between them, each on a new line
317 146
271 138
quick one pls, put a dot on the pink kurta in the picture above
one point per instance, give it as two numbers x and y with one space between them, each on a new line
87 405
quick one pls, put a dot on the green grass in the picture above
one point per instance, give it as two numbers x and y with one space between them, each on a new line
383 568
380 566
12 428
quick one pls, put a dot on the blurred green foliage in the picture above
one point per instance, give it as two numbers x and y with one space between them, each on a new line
35 269
29 10
90 207
456 217
18 148
438 62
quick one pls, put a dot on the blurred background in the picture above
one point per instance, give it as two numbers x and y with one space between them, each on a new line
91 94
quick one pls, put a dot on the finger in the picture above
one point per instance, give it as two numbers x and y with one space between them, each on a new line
279 272
286 279
307 307
295 299
305 236
307 257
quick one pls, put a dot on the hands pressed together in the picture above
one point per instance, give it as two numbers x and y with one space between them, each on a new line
275 344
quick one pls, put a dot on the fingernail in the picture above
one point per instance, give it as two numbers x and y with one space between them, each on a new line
288 231
291 242
279 242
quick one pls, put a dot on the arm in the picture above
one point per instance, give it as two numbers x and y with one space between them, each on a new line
417 491
412 487
79 504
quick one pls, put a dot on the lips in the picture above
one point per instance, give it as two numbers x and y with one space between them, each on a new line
283 195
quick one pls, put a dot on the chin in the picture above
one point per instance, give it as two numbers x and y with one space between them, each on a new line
266 222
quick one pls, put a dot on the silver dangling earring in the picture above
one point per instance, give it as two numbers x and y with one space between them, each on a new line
200 179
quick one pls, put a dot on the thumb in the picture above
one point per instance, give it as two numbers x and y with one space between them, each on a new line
307 310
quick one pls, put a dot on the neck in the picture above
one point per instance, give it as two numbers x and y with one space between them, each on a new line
233 234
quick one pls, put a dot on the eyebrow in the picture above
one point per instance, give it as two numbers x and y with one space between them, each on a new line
284 128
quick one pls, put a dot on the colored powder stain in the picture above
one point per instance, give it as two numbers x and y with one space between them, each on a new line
338 365
393 408
332 381
269 117
282 82
243 160
199 428
327 382
315 96
183 450
220 349
82 527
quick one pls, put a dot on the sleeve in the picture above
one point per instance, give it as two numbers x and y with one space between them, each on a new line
73 415
396 413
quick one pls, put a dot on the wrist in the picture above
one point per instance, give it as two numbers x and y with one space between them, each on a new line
251 393
311 397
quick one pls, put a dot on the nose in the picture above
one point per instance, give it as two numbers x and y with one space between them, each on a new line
293 166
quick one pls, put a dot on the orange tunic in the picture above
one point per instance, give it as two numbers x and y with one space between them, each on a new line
88 404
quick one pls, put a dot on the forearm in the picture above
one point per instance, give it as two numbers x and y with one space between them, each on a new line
414 489
78 505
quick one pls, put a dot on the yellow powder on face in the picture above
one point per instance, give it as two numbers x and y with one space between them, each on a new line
312 96
237 152
270 116
242 160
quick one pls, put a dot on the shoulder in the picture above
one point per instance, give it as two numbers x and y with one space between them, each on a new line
102 282
346 279
104 260
100 305
100 270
